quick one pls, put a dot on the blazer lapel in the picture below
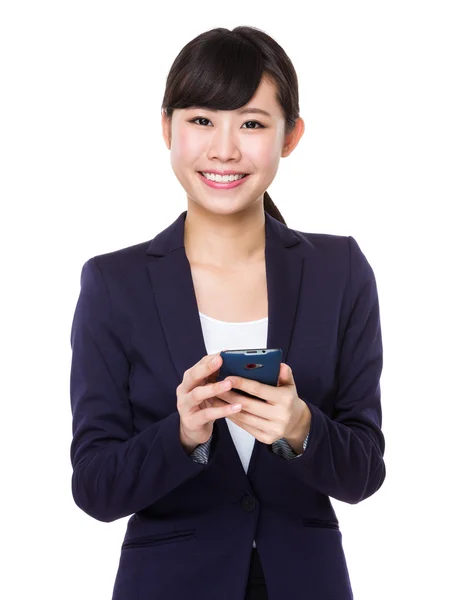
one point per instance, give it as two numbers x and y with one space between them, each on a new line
176 303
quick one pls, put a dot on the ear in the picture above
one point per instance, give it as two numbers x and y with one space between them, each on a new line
166 124
292 139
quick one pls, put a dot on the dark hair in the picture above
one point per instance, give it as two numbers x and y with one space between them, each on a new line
221 69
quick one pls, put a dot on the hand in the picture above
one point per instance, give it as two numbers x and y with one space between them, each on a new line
195 402
283 415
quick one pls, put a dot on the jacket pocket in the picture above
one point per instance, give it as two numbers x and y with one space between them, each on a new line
312 522
162 538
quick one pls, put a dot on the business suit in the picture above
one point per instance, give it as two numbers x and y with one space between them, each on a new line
135 331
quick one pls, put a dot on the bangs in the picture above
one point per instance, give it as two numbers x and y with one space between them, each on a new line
222 73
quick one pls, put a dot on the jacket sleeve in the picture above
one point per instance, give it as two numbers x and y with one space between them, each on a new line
280 447
283 448
201 453
115 472
344 454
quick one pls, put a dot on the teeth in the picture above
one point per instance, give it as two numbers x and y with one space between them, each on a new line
222 178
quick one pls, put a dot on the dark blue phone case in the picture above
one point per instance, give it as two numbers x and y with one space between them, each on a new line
260 364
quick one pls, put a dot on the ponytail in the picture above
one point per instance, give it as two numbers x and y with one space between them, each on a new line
272 209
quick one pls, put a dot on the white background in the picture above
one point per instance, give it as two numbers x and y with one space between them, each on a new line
84 170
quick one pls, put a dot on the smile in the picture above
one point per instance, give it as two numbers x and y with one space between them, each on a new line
223 185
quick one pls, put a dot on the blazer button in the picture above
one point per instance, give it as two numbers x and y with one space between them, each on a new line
248 503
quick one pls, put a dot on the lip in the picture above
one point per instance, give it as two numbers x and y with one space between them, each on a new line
222 186
223 172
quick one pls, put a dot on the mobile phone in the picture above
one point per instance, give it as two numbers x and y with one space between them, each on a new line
260 364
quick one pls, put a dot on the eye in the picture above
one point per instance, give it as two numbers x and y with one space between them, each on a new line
199 119
261 126
257 123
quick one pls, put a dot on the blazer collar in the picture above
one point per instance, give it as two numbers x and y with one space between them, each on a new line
174 294
172 238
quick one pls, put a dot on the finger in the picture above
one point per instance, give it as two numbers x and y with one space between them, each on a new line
203 392
200 372
250 405
216 412
212 377
251 420
262 391
285 375
240 420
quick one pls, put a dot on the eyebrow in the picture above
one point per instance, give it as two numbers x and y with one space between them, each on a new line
242 111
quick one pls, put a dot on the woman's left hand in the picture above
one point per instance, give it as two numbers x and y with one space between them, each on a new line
282 415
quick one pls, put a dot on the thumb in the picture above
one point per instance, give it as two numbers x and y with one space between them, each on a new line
285 375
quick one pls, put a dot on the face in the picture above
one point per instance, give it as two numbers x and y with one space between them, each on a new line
203 140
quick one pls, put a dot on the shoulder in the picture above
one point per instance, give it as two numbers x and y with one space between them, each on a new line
128 254
120 262
340 253
322 245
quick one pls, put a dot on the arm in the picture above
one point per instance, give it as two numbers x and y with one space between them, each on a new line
344 454
115 473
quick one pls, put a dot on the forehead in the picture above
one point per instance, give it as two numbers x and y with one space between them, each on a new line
264 98
263 103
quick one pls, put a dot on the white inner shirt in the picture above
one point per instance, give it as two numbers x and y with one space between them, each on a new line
219 335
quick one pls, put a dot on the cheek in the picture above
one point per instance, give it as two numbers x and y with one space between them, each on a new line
263 153
184 148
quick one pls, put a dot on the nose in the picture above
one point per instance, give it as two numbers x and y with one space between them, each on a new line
224 146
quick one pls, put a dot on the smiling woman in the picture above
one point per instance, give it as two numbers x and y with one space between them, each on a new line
155 436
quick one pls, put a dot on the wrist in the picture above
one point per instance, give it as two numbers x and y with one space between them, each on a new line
188 445
296 437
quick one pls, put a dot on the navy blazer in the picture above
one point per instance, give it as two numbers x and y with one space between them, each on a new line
135 331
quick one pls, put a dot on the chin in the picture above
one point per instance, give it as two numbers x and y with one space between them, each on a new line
217 207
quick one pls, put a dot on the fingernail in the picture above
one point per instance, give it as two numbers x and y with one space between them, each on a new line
236 407
215 360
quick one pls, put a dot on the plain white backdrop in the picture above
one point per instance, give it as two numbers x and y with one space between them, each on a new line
84 170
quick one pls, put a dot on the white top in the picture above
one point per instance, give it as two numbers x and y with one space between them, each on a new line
235 336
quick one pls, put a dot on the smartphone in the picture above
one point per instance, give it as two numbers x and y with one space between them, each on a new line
260 364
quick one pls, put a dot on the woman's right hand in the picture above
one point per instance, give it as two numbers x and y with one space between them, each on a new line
195 402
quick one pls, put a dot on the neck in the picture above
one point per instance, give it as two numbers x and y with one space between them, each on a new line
223 240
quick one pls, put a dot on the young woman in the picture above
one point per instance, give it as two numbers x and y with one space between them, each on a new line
228 503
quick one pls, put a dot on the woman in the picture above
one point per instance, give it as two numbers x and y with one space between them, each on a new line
227 503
